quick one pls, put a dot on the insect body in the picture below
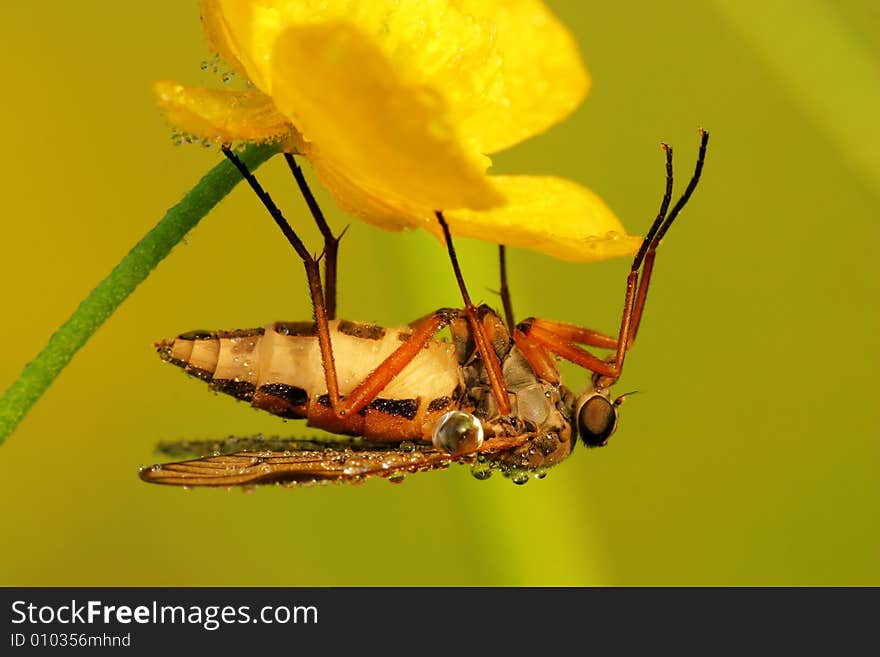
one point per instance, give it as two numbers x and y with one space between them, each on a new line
278 369
491 397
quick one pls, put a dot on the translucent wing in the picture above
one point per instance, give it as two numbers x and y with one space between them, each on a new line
252 461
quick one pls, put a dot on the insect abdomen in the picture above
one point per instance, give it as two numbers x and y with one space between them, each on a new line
279 369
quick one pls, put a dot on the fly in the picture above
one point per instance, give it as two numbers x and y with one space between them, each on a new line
491 398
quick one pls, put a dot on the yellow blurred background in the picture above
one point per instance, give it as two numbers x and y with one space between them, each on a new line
749 458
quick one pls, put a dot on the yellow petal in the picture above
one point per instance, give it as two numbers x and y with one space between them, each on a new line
222 115
388 137
541 80
506 69
218 35
551 215
354 199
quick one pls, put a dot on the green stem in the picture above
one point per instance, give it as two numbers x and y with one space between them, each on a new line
38 375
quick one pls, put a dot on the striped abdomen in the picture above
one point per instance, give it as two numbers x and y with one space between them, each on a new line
278 369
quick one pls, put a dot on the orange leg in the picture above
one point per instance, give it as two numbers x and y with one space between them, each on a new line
490 358
568 350
331 241
537 356
380 377
377 380
575 333
560 338
313 274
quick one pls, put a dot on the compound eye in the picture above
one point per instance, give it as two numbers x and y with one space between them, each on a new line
597 419
457 433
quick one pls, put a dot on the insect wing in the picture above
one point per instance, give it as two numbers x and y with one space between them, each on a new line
298 463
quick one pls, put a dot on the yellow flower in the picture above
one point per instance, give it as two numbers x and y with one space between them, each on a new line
396 104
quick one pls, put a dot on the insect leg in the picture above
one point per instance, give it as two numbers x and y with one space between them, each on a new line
490 358
574 333
505 290
538 357
331 241
368 389
536 335
634 301
658 230
313 274
560 338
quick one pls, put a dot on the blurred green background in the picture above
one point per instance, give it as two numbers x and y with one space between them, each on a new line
750 457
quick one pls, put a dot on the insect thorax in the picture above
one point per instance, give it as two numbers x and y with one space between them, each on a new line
536 406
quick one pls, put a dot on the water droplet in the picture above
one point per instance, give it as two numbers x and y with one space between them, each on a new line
354 466
457 432
397 477
406 446
266 469
227 78
519 476
216 452
156 467
481 469
540 473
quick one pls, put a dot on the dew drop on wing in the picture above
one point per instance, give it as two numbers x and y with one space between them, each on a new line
354 467
397 477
